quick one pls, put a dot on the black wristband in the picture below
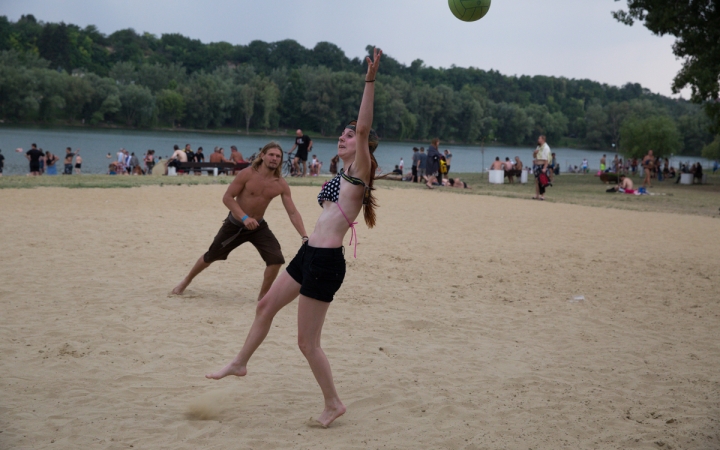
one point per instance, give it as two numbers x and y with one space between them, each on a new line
369 81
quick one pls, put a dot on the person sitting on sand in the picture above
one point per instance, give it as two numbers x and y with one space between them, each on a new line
456 183
397 170
625 185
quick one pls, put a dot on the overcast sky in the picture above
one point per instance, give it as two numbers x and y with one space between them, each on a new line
570 38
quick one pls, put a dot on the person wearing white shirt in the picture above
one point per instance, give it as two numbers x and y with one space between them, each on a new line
541 156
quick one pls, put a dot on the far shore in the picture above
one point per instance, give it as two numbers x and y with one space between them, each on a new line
289 133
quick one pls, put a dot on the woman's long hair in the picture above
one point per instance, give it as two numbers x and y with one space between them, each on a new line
258 160
369 201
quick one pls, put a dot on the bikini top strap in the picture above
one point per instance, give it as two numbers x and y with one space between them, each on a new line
350 179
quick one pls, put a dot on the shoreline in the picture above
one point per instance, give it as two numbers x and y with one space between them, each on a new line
588 190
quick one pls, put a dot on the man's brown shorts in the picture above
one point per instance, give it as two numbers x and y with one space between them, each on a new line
233 234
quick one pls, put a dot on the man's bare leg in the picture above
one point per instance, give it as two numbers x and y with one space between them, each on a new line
271 272
296 166
311 316
199 266
282 292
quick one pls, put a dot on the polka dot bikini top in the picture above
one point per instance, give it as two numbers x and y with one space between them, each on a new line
331 189
330 192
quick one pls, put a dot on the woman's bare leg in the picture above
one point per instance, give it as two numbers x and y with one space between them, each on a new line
311 316
282 292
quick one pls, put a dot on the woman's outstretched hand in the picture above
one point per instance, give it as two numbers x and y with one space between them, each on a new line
373 64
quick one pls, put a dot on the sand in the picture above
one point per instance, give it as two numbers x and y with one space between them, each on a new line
453 329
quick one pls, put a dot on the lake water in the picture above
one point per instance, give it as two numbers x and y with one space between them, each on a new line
95 144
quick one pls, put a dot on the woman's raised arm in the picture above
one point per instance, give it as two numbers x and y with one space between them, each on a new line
365 117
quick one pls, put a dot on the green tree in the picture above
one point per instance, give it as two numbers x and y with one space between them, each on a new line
270 97
245 95
712 150
138 105
208 100
696 26
171 106
657 133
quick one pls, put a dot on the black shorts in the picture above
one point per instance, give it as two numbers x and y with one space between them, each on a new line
302 156
233 234
320 271
34 167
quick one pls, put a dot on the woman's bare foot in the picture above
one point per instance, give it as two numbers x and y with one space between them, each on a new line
180 288
331 413
234 368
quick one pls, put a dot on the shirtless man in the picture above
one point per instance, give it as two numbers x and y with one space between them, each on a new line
625 185
648 164
247 198
235 155
69 155
177 157
78 162
518 168
497 164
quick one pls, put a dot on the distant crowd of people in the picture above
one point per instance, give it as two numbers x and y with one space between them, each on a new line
45 162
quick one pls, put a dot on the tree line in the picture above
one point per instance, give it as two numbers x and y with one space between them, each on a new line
53 72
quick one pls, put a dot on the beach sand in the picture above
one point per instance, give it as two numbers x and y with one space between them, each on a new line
453 329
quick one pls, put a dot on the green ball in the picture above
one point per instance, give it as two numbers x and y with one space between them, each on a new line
469 10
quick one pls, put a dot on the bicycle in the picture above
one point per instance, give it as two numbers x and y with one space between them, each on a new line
288 170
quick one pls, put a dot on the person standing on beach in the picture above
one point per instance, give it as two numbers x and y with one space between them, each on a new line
541 156
2 162
33 155
78 162
584 165
433 163
401 165
448 160
648 164
602 164
415 163
50 163
318 270
422 164
303 144
67 163
247 198
149 160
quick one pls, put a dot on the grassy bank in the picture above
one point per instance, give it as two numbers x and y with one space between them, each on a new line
568 188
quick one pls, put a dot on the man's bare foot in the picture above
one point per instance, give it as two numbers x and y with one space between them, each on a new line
231 369
180 288
331 413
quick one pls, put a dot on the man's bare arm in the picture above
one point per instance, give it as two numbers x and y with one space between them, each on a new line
292 211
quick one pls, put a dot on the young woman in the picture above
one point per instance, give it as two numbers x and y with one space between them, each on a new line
149 160
318 269
50 161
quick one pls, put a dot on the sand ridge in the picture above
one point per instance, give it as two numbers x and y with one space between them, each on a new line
453 328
